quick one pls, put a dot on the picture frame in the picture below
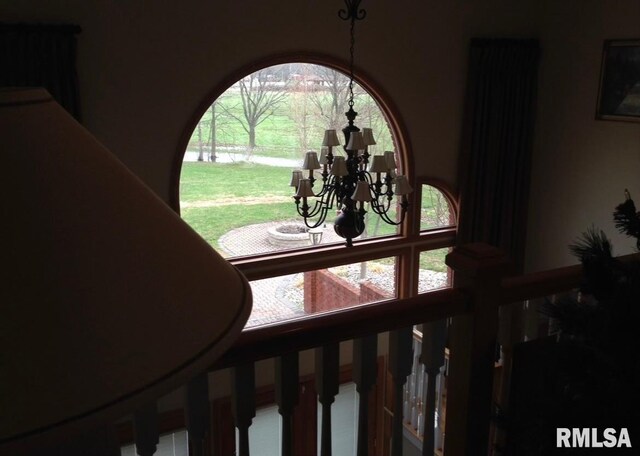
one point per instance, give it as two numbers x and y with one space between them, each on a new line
619 89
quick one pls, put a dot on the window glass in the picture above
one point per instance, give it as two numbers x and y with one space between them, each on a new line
173 444
297 295
433 272
234 184
435 209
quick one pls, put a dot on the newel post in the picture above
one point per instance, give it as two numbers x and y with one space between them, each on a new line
478 269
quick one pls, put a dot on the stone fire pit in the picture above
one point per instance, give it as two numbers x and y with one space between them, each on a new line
288 235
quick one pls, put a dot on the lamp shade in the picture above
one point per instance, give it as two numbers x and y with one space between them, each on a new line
402 185
378 164
339 167
355 141
389 157
330 138
304 189
367 137
323 155
296 175
311 161
110 300
362 192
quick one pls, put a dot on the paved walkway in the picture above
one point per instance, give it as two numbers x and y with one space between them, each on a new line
233 157
272 297
253 239
270 302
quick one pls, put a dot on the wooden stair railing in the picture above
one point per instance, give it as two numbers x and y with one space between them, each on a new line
481 287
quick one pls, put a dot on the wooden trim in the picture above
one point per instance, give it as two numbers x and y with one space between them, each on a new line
268 341
388 108
299 260
545 283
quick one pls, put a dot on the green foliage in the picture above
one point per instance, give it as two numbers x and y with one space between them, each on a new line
297 123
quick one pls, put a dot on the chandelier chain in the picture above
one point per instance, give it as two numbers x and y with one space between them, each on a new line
351 59
347 185
353 13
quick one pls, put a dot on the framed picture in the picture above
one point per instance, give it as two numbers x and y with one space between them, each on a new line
619 92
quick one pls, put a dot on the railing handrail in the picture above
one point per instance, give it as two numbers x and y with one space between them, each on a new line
273 340
545 283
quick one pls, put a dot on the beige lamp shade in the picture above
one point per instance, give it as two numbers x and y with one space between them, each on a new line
378 164
402 185
339 167
310 161
362 192
109 299
389 157
367 137
355 141
323 155
296 175
304 189
330 138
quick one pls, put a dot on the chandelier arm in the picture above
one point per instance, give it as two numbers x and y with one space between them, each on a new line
326 187
385 217
324 204
380 208
317 207
319 222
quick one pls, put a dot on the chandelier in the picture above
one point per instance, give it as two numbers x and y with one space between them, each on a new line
352 179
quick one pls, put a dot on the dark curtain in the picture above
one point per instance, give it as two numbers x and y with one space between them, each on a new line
40 55
495 159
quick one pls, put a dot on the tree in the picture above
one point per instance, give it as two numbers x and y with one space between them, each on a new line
200 145
260 97
212 133
331 102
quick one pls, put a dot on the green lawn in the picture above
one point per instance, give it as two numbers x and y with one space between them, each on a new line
213 222
205 181
216 198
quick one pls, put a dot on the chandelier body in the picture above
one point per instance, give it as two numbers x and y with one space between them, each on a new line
349 181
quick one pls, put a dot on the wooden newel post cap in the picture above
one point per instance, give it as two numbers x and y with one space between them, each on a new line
479 260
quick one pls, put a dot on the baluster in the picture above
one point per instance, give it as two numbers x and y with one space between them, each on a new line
432 357
145 426
365 352
440 406
327 385
243 403
287 396
479 268
400 363
197 412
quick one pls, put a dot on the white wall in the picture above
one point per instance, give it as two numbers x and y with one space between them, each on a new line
581 166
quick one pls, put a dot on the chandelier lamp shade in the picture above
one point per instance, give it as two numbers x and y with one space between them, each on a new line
353 179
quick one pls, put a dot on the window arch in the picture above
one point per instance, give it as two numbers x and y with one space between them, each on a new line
251 137
232 178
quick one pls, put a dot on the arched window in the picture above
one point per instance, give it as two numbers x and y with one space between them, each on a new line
234 191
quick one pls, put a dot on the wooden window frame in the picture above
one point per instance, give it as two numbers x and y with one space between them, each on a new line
406 245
